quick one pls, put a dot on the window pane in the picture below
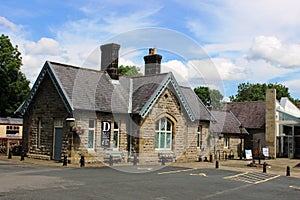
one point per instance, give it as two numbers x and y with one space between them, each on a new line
162 140
157 126
91 139
91 124
162 124
116 137
168 141
116 126
198 140
156 140
169 126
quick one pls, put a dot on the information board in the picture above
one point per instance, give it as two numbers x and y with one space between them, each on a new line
105 134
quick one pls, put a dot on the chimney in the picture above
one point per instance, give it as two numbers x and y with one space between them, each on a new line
152 62
109 59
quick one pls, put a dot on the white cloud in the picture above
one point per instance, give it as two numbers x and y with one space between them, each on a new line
272 50
46 46
293 86
6 24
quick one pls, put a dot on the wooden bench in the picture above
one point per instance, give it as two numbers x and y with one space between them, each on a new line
114 156
38 156
166 157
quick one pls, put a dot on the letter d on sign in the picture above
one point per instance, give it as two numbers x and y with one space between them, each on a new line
106 126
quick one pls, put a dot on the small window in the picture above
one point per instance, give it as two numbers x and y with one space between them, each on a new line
91 134
199 137
226 142
116 135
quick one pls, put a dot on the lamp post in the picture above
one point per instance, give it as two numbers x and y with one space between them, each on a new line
241 151
71 124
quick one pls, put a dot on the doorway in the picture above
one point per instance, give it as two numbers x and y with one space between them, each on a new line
58 133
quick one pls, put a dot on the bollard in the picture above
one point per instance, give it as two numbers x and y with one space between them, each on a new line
210 158
135 160
82 161
65 161
163 161
265 167
9 154
22 156
111 162
288 171
217 164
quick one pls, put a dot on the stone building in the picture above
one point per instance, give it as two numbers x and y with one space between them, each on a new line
10 133
77 111
228 135
272 124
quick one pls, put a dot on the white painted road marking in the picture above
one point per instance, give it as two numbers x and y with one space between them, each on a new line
176 171
200 174
252 177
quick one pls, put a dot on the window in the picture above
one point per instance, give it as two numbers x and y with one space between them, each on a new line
226 142
91 134
116 135
12 131
199 137
163 134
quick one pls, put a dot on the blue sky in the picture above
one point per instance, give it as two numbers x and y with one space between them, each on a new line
204 42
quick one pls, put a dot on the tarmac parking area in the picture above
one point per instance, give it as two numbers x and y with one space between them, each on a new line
141 182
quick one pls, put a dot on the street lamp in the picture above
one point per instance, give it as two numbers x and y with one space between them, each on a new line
241 131
71 122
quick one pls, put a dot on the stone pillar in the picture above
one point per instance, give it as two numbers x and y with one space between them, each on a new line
270 121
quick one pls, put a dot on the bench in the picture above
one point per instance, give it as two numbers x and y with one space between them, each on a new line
114 156
166 157
38 156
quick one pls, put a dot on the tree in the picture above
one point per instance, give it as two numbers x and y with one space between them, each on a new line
209 97
14 86
257 92
130 71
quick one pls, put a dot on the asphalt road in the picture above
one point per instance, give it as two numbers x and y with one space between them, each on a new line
40 182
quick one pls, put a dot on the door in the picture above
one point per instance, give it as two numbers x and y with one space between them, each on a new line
58 133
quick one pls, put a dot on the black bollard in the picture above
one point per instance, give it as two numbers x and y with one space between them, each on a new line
22 156
163 161
9 154
217 164
265 167
135 160
65 161
82 161
111 162
288 171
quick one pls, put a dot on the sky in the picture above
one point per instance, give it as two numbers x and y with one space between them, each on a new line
214 43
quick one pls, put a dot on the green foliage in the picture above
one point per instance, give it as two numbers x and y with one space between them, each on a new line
14 86
130 71
209 97
257 92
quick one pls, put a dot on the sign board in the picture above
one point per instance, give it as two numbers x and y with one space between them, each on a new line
265 151
248 153
105 134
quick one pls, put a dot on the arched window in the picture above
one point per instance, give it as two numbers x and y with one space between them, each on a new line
163 134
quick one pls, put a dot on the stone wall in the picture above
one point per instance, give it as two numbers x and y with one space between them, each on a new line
271 122
47 107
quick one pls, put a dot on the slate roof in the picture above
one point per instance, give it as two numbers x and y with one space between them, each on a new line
88 89
11 121
226 123
198 108
250 114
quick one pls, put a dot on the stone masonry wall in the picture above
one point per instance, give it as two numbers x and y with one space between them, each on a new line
46 106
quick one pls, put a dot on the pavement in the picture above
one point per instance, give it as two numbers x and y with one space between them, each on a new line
274 166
